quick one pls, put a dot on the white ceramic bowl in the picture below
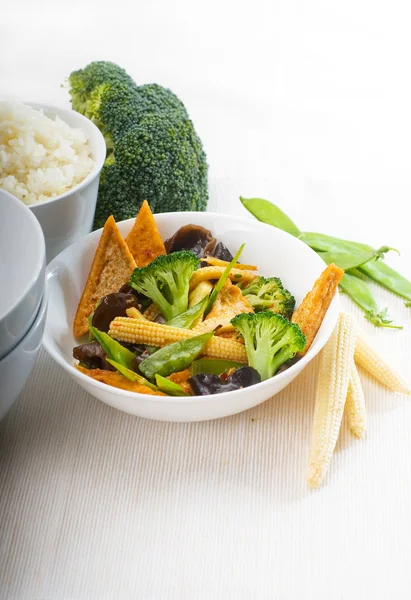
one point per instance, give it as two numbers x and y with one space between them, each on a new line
22 270
69 216
276 253
16 366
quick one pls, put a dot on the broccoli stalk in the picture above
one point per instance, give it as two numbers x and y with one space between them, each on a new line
153 151
166 281
270 340
268 293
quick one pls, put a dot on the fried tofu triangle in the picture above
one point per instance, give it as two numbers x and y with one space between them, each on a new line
311 312
117 380
144 240
112 266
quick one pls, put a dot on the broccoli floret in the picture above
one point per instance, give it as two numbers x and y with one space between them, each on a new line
270 340
84 81
268 293
166 281
153 151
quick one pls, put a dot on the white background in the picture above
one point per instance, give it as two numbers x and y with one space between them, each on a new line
307 104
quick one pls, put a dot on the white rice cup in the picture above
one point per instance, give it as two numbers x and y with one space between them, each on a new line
66 218
22 271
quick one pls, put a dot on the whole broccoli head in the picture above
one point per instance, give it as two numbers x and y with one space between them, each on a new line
268 293
153 151
166 281
270 340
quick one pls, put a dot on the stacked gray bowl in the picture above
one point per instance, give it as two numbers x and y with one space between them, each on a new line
23 296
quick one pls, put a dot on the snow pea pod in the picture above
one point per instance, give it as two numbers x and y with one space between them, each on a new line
269 213
189 318
359 291
132 376
327 243
388 278
169 387
352 260
174 357
213 366
346 260
353 282
113 349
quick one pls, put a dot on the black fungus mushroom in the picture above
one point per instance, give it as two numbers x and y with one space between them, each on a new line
92 356
142 301
110 307
221 251
203 384
195 238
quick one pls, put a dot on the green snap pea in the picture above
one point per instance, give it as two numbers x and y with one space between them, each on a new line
132 376
169 387
352 260
213 366
388 278
174 357
359 291
354 282
113 349
189 318
346 260
223 278
327 243
269 213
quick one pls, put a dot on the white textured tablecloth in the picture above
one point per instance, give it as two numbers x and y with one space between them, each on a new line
304 103
98 504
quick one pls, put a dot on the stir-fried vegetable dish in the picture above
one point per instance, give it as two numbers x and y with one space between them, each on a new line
186 316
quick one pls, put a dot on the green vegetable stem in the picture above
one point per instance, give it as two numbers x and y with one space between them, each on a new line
131 375
223 278
113 349
169 387
213 366
174 357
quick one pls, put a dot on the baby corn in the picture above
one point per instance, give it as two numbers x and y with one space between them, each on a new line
217 262
151 312
336 364
355 405
134 312
374 363
208 273
137 331
223 324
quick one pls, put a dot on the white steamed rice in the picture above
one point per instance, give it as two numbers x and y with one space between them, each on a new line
40 158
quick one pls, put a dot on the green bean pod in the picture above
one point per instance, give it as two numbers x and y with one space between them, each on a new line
346 260
327 243
114 350
174 357
190 317
169 387
213 366
269 213
131 375
360 292
388 278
